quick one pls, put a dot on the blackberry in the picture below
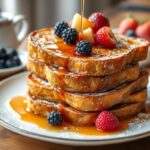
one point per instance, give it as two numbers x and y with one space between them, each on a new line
84 48
55 118
70 35
130 33
60 27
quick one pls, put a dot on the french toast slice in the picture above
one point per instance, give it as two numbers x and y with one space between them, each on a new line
43 108
72 82
86 101
45 46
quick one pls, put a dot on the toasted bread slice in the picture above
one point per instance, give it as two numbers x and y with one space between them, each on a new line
44 46
86 101
43 108
72 82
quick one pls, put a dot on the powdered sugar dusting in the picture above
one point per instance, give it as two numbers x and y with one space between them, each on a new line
140 118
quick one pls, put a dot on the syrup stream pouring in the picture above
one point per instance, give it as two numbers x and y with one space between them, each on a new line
82 14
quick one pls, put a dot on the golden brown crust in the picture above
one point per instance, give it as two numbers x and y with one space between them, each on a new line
42 46
71 82
86 101
43 108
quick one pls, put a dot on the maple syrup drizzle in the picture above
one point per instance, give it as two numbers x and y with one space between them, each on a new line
19 105
82 14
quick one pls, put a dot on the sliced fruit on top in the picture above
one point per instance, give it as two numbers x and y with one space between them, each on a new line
88 35
99 21
76 23
105 38
143 31
81 36
126 24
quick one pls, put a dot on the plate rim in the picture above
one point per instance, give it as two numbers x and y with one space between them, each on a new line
30 134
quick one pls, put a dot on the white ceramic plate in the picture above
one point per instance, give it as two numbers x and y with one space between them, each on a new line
9 71
16 85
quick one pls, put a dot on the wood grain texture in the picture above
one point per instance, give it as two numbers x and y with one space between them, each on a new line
12 141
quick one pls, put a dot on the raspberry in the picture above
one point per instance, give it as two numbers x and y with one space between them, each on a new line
84 48
105 38
60 27
99 21
55 118
70 35
106 121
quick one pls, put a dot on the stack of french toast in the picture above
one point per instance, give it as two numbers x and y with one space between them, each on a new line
65 79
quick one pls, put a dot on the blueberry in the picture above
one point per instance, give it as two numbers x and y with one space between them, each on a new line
11 63
17 60
55 118
84 48
2 64
2 61
130 33
60 27
3 53
12 53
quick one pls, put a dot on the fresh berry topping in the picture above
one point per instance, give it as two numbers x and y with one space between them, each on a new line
105 38
126 24
60 27
84 48
130 33
76 23
70 35
99 21
143 31
106 121
55 118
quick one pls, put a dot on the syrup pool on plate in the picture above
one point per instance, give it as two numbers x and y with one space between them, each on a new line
19 105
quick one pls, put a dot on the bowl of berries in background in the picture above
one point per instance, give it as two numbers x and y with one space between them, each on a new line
11 61
132 27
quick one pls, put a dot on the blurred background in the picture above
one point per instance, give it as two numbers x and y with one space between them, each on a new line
42 13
